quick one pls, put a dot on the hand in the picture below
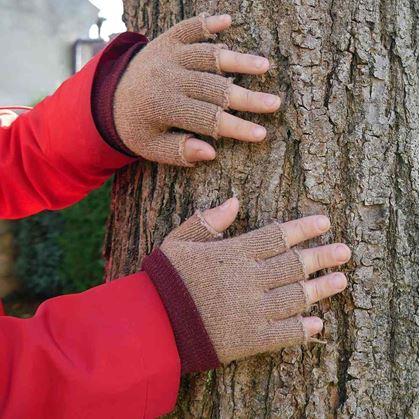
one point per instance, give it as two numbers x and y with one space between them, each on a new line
251 290
171 83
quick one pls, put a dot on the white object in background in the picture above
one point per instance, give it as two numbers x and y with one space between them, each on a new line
7 116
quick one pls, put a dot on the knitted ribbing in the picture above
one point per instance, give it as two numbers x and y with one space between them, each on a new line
195 349
248 289
169 84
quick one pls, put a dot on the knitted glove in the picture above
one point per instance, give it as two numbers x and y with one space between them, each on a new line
228 299
169 85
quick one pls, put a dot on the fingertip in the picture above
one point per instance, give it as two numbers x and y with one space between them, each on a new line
271 102
323 223
313 325
338 281
342 253
231 204
259 133
262 64
226 18
218 23
196 150
221 217
206 153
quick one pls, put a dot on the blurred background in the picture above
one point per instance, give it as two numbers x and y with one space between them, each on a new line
43 42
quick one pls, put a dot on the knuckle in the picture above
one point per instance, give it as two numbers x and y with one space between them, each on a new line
317 290
300 225
237 58
319 259
248 98
238 124
250 60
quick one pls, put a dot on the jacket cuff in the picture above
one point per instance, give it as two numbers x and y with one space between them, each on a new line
195 348
111 67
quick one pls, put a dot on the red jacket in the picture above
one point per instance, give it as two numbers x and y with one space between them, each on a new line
108 352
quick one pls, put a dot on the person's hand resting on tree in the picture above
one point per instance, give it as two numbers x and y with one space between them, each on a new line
176 83
237 297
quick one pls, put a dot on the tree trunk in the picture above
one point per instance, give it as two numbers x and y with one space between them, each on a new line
344 145
8 282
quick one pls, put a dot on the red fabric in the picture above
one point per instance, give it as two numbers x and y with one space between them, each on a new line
106 353
53 155
195 348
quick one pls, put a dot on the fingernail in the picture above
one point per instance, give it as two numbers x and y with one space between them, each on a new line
259 132
342 253
339 282
323 223
204 155
226 205
260 62
319 324
225 17
272 100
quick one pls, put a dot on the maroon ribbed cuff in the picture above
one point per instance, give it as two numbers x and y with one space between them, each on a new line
194 345
111 67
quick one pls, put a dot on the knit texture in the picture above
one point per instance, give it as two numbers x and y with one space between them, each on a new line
248 290
195 349
171 84
111 67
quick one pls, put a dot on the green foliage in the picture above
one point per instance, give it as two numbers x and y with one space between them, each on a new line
60 251
39 253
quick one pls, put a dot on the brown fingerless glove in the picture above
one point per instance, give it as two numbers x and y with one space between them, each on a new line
228 299
169 85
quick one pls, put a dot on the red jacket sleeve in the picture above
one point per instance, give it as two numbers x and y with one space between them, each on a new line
106 353
53 156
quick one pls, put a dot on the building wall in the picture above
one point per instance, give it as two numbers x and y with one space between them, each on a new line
36 38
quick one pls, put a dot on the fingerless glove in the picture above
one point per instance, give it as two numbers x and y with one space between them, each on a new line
229 299
169 84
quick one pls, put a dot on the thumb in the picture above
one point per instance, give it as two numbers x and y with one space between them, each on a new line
221 217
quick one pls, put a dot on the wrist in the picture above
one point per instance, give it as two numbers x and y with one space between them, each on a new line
111 67
195 348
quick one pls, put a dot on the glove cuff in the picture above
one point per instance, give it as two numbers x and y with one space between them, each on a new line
112 66
195 348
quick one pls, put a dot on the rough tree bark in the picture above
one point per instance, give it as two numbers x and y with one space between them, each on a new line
8 282
344 145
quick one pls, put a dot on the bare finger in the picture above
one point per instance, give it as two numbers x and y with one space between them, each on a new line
239 129
246 100
236 62
197 29
312 325
325 286
196 150
305 228
221 217
218 23
323 257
